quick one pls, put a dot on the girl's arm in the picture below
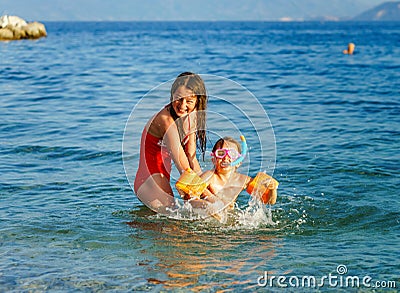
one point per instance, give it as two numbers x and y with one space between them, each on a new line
209 192
191 153
191 146
247 180
173 144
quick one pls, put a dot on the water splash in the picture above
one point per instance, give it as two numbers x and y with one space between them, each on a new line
255 215
186 211
252 216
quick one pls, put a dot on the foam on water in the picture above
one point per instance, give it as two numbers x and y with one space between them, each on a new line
253 215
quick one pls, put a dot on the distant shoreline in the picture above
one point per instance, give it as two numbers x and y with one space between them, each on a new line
221 21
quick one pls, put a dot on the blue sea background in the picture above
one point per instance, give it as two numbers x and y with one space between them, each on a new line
69 220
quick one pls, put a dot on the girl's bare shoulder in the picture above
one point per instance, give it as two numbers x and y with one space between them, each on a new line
160 122
207 175
240 179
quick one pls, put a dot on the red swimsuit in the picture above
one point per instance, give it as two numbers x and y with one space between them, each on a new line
154 158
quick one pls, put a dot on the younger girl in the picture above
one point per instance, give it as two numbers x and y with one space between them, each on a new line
224 182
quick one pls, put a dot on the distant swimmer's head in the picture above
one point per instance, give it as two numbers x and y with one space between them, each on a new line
350 49
225 151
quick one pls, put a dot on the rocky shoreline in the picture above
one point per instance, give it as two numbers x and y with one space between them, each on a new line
16 28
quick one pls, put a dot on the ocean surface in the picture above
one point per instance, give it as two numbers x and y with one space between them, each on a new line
328 124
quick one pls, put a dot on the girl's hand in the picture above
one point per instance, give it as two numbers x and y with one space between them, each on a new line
208 195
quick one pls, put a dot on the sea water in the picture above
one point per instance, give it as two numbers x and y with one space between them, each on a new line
69 220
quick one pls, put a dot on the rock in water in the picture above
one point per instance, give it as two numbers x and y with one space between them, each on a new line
35 30
15 28
11 20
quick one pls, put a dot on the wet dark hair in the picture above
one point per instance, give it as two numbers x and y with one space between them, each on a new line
195 83
220 142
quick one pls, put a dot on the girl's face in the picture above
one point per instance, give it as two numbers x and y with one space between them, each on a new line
223 165
183 101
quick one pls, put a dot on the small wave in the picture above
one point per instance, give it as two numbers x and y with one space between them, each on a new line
72 153
254 216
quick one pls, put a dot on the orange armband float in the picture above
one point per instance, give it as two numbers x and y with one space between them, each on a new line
264 187
190 184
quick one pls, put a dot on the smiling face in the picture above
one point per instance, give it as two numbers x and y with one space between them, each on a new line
223 165
184 101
